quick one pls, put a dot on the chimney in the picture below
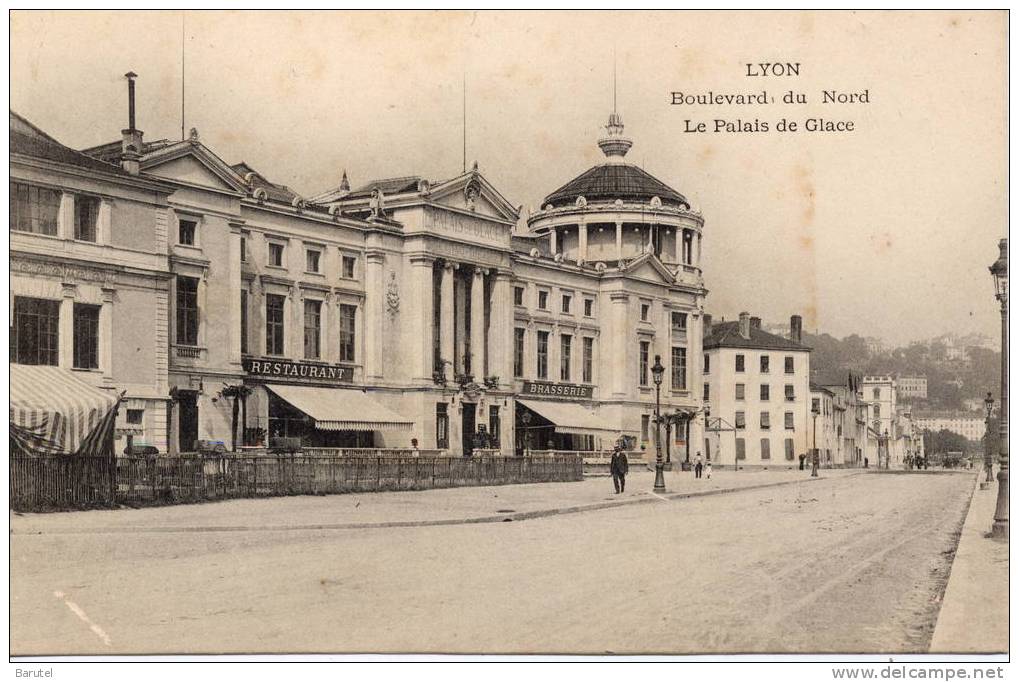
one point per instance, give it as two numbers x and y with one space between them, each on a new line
744 325
131 146
707 324
755 323
796 328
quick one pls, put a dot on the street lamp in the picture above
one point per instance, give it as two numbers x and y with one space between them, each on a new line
657 371
888 455
988 463
816 410
1000 273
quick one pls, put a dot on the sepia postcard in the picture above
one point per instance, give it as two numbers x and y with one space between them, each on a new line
613 334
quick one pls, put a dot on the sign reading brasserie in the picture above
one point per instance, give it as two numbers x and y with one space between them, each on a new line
536 389
285 369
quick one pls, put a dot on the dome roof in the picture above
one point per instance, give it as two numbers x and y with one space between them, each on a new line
611 181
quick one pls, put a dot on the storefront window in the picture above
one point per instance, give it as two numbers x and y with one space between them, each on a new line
34 331
86 336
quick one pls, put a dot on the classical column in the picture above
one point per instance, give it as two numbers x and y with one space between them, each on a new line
104 222
65 216
293 338
582 243
619 354
65 327
478 341
680 232
698 261
330 328
619 241
447 324
235 303
421 329
553 234
106 334
373 312
500 331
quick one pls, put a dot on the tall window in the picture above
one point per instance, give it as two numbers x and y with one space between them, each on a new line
789 420
707 391
186 229
493 424
765 448
789 451
34 331
441 426
740 363
244 320
349 262
645 312
567 303
741 390
645 349
312 329
765 392
741 420
275 254
543 300
741 448
518 352
645 426
312 258
815 405
348 317
518 296
274 324
877 394
678 321
588 307
587 374
877 410
187 311
678 368
790 366
765 420
790 392
244 249
86 216
34 209
565 356
542 355
86 336
765 364
707 364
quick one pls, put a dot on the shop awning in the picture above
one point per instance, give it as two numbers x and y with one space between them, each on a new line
572 418
55 412
341 409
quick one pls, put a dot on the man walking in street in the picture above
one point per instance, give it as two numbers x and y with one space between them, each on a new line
815 460
618 466
698 467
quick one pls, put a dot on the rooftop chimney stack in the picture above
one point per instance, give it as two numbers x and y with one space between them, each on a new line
755 323
707 324
131 146
796 328
744 325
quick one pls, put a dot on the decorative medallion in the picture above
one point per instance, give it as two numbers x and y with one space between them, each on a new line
392 295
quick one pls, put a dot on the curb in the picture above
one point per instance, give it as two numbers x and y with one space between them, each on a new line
499 518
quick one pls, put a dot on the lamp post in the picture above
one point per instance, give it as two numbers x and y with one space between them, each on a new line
657 371
999 270
888 454
988 462
816 410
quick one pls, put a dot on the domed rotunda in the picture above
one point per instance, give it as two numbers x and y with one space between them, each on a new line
616 212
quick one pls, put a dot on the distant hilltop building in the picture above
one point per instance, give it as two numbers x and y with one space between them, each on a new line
965 424
875 346
913 387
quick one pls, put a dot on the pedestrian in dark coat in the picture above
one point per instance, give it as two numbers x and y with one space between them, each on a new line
698 467
618 467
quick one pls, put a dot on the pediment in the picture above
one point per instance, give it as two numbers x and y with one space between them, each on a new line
196 166
650 268
487 201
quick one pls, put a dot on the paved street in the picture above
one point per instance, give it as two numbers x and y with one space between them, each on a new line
850 563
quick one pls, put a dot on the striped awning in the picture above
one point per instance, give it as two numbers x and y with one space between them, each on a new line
342 409
55 412
572 418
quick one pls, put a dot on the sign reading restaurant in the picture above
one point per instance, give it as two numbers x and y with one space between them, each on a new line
537 389
285 369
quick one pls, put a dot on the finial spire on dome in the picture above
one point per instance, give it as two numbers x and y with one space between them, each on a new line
614 145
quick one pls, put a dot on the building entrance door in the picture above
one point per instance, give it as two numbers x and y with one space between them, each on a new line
187 410
469 419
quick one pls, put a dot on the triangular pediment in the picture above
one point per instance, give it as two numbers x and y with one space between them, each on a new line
648 267
195 165
472 192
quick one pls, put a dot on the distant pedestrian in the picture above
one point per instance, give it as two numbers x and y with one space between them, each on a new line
866 463
698 467
815 461
803 459
618 467
707 468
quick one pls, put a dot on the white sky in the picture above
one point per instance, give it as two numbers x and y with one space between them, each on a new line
886 231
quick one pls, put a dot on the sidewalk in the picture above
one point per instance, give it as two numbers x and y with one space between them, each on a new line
974 610
406 508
